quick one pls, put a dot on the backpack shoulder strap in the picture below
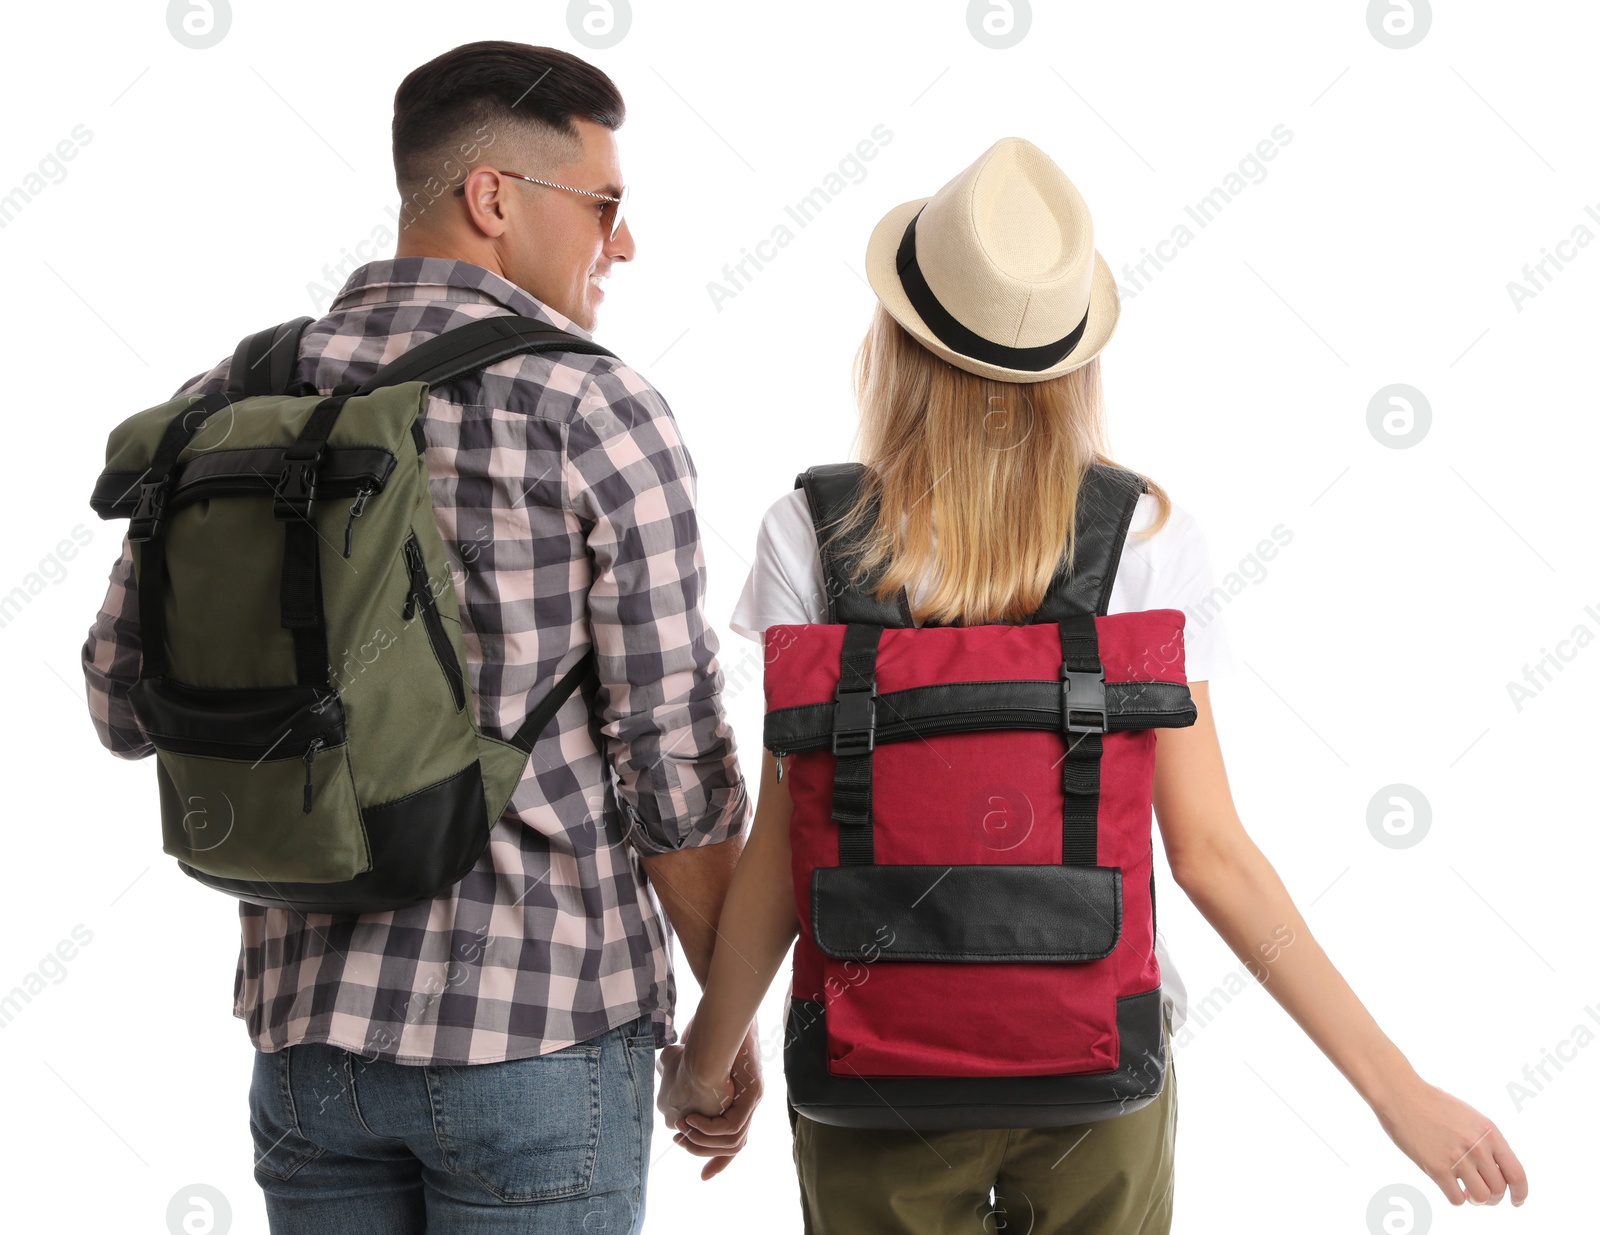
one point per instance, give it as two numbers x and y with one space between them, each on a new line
831 490
466 349
263 363
1107 496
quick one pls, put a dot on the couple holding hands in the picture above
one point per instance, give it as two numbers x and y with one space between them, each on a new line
519 1096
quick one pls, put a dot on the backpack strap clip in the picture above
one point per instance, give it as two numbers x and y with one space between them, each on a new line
146 520
157 478
297 483
855 716
1083 696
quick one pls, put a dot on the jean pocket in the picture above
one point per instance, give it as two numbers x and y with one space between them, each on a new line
639 1049
280 1147
639 1046
523 1129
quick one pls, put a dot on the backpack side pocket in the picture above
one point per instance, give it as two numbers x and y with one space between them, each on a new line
255 781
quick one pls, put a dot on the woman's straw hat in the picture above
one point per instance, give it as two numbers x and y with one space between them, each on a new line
997 272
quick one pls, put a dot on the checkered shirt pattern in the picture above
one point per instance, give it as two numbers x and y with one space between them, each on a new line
566 498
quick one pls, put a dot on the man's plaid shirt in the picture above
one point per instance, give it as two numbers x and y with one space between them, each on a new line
567 501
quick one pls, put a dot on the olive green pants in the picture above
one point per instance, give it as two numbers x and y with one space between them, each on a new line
1111 1177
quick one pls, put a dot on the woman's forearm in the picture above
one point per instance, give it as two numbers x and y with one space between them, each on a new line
754 931
1240 894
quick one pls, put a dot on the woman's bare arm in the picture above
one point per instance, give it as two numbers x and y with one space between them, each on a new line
757 925
754 931
1233 885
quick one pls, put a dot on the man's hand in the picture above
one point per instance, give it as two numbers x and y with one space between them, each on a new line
713 1119
683 1094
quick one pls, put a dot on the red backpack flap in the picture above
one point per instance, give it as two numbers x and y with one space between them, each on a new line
965 950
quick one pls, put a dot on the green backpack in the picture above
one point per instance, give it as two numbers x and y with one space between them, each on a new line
303 677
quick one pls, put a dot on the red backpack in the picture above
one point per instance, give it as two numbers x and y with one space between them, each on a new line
971 842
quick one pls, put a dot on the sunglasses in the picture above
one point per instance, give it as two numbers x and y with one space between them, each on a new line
610 213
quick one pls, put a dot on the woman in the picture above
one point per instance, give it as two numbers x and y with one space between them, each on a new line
979 391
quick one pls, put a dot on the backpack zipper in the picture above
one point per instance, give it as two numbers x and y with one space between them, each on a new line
222 750
421 594
311 753
938 723
356 507
780 756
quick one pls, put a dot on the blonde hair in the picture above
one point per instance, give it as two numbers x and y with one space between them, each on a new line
995 465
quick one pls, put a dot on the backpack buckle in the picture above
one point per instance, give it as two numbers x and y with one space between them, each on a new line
1083 693
147 511
855 717
297 487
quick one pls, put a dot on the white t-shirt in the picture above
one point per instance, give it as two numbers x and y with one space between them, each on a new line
1170 570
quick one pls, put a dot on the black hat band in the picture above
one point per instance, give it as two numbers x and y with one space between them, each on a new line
957 337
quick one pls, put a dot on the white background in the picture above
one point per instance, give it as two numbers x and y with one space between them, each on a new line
1374 649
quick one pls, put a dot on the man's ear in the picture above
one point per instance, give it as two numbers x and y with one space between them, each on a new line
488 219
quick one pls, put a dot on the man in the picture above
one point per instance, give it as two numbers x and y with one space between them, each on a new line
486 1060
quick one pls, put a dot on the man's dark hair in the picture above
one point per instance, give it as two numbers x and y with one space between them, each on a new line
447 111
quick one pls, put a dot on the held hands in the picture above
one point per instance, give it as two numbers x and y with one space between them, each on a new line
712 1118
1450 1141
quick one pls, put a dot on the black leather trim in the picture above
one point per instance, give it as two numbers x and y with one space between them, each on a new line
266 722
1107 497
933 1103
245 471
421 845
970 707
986 912
830 492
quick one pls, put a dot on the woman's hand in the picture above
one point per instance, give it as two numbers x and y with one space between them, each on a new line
712 1118
1450 1141
1234 886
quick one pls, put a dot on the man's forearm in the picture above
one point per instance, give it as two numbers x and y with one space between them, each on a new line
692 884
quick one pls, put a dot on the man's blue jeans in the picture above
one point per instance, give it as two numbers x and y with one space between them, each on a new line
554 1143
